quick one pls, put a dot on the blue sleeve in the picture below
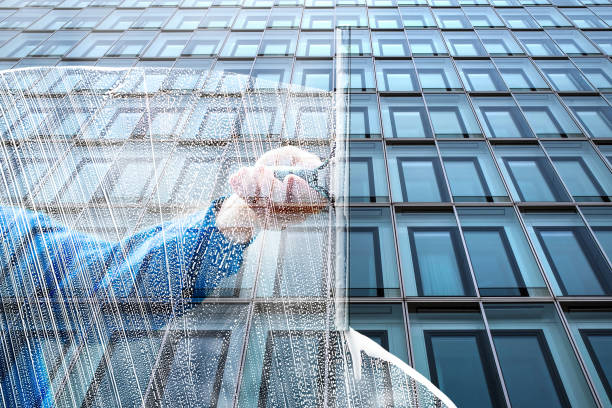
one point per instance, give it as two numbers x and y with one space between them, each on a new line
39 257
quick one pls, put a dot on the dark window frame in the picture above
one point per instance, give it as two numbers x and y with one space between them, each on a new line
378 267
585 334
515 115
410 109
481 177
587 172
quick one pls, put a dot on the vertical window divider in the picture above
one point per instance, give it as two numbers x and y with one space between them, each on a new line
495 358
572 341
465 250
588 226
571 196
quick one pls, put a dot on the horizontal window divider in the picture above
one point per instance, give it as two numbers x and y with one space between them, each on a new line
517 141
396 141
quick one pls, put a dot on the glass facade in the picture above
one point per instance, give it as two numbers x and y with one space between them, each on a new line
480 175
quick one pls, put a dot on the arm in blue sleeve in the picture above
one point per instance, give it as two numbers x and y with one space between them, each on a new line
39 257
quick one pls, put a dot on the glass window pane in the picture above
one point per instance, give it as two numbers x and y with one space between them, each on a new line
313 74
416 174
536 358
23 18
120 20
417 17
593 113
426 42
285 18
58 44
499 42
363 117
517 18
451 18
317 20
464 44
87 18
271 73
251 20
395 76
520 74
351 17
451 116
538 44
367 173
585 18
371 247
483 17
437 74
452 349
584 174
404 117
205 43
219 18
546 116
501 117
241 45
592 331
94 46
564 76
279 43
358 75
480 76
167 45
184 20
130 44
471 172
385 19
529 174
500 256
548 17
597 70
602 40
390 44
572 42
357 43
432 255
316 44
152 18
564 245
383 323
600 221
53 20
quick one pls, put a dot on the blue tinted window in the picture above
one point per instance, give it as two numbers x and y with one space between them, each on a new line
582 171
367 175
417 17
593 113
499 42
599 346
520 74
546 116
417 171
405 117
395 76
363 117
564 76
464 44
426 42
538 44
600 220
451 116
572 42
437 74
390 44
597 70
471 172
530 175
501 117
480 76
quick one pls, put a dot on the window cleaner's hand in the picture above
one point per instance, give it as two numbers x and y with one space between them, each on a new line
262 201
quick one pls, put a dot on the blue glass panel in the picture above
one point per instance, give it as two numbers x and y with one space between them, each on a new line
461 364
599 346
529 371
493 262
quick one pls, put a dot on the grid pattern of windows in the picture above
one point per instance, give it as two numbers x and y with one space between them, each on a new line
480 159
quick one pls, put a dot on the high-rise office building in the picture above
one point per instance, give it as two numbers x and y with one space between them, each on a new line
480 175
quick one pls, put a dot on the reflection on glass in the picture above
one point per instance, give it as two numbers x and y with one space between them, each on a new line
367 175
546 116
501 118
405 117
593 113
451 116
437 74
520 74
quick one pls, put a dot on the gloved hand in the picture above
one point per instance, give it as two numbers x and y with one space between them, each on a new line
261 201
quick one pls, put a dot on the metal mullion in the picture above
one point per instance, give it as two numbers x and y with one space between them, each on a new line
587 224
585 371
502 381
534 253
573 201
467 253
